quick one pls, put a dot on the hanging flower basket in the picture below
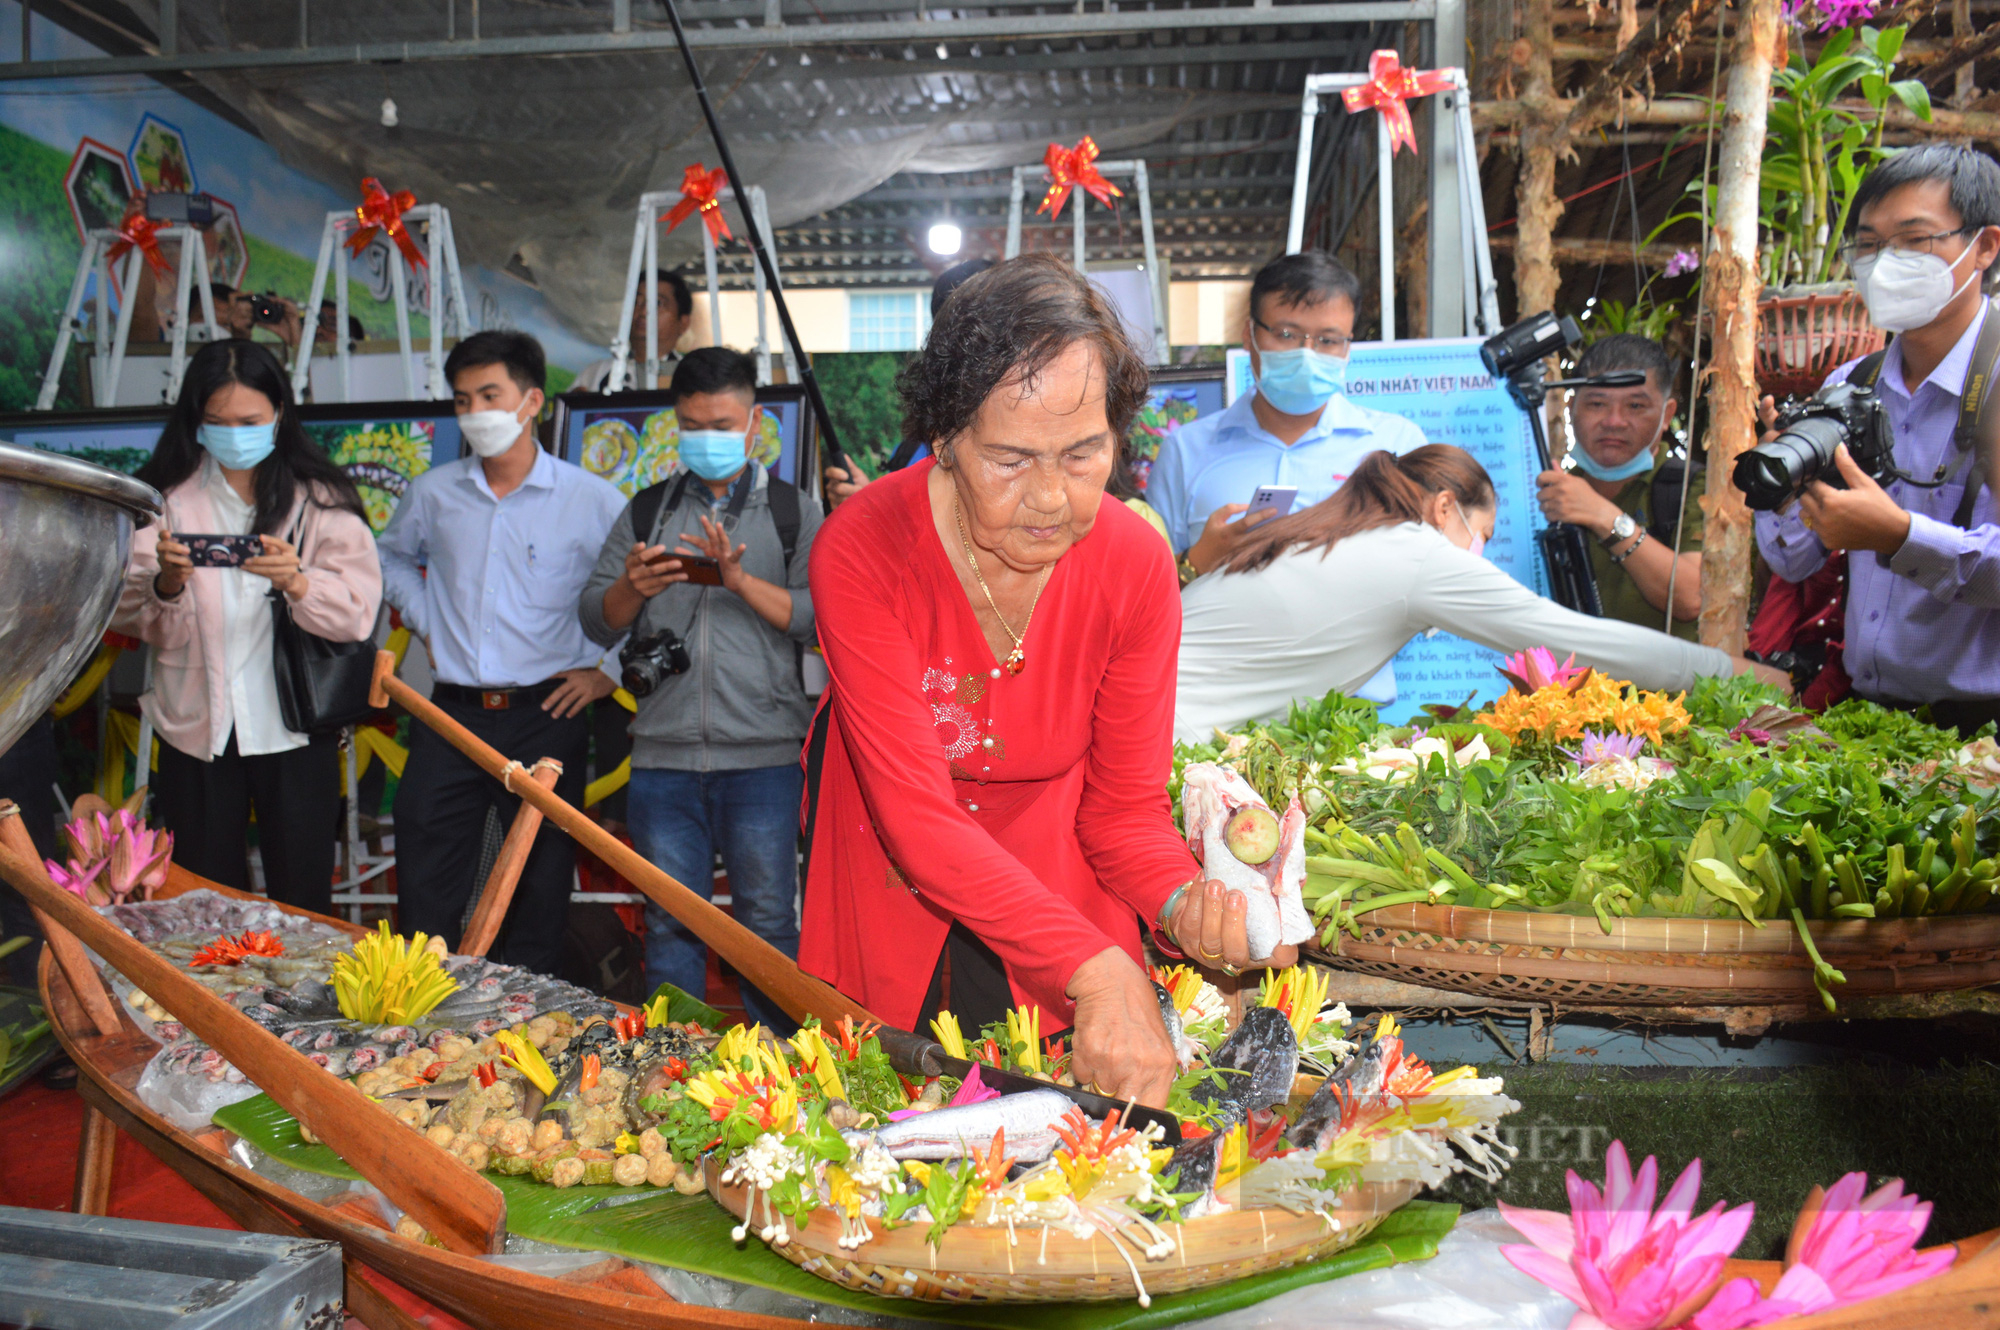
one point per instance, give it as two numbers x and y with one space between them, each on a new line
1805 332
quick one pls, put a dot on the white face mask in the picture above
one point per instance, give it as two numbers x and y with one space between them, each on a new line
490 433
1904 289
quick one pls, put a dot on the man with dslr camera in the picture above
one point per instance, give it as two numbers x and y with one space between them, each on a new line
707 570
1923 541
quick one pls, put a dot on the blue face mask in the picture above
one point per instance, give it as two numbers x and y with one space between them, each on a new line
1639 464
712 454
1300 381
238 447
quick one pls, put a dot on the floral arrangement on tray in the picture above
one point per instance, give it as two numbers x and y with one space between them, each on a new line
822 1125
1577 794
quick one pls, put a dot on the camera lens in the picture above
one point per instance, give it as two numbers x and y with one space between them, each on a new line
1772 473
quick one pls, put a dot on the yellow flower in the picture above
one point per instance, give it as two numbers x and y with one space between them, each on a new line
1556 712
1024 1029
1386 1028
842 1190
1298 992
737 1043
818 1059
945 1027
525 1058
626 1144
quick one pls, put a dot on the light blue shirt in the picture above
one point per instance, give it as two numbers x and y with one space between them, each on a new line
1223 458
498 606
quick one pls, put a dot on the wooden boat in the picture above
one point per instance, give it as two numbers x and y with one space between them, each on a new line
613 1294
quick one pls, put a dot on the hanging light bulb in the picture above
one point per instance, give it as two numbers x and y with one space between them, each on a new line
945 238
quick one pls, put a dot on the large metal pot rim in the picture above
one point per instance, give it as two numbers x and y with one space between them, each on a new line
36 466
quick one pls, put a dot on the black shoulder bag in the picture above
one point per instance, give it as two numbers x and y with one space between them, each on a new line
322 685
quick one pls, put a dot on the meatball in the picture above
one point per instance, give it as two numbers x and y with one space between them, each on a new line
629 1170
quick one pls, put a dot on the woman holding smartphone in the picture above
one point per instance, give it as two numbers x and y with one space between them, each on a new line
254 509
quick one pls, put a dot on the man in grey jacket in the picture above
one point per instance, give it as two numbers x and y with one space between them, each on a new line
720 564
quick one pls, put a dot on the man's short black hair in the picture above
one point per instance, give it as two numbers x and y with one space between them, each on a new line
521 354
1972 178
218 292
676 284
1306 279
714 369
952 278
1630 351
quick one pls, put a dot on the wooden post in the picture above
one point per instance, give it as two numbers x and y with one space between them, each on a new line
491 911
96 1153
1732 283
1535 192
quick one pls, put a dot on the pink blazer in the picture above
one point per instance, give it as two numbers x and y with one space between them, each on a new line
343 595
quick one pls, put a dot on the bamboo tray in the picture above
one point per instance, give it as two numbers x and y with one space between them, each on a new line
383 1268
1029 1265
1523 956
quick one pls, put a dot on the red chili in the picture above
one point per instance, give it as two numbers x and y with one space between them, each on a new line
430 1073
487 1074
676 1068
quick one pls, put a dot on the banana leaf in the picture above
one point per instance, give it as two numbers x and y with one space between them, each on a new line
682 1008
692 1233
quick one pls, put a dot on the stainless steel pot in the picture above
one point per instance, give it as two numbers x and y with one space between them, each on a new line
65 532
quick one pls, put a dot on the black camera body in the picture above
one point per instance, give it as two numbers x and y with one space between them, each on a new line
267 309
1773 474
1512 350
647 660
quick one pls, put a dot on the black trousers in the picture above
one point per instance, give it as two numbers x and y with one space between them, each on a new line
28 777
296 796
441 818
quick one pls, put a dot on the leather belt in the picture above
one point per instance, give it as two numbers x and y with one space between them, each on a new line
495 699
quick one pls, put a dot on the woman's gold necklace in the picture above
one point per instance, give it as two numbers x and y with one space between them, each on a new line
1017 659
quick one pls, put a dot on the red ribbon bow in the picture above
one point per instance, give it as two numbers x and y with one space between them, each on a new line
1073 168
382 211
1388 86
136 230
699 186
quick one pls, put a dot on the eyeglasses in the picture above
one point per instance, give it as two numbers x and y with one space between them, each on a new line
1914 244
1290 339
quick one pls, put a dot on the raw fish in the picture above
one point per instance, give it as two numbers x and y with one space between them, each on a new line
1275 888
955 1133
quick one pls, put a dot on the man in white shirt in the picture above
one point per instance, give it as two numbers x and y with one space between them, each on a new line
1297 429
485 557
673 315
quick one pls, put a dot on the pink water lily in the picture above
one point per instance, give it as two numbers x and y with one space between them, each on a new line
1625 1266
90 837
1535 669
139 859
78 880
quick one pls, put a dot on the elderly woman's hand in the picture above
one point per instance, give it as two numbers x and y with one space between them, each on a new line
1120 1044
1211 927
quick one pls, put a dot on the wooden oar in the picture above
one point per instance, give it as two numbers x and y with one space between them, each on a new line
491 911
69 953
462 1209
776 974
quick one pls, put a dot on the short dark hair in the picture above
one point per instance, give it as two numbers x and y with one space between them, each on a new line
219 292
1308 278
1006 324
1972 178
677 284
957 275
714 369
1630 351
521 354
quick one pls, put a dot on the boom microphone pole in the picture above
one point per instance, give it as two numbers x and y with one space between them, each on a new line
830 441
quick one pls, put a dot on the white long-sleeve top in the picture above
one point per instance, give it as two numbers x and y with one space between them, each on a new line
1316 620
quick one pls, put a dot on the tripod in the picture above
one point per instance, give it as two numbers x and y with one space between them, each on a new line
1571 582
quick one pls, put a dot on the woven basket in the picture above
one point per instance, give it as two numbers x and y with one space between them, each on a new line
1034 1265
1804 333
1663 962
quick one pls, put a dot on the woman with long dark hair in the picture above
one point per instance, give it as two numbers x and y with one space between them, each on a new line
234 460
1322 599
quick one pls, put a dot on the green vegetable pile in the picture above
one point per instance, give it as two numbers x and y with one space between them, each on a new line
1766 814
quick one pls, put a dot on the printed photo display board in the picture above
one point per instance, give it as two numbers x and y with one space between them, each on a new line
633 439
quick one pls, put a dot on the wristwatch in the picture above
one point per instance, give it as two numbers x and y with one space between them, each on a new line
1622 529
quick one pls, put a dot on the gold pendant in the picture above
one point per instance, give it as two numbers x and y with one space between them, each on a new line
1017 660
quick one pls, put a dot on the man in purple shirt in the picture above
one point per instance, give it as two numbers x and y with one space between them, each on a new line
1923 606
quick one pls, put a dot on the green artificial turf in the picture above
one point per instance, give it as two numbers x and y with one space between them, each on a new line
1763 1136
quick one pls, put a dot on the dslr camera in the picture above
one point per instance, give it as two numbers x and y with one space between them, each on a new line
647 660
1773 474
267 309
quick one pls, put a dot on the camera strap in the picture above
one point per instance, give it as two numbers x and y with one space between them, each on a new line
1976 414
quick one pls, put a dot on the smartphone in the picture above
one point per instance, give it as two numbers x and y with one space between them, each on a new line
221 551
701 571
1275 499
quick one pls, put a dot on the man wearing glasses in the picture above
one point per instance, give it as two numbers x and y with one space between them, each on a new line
1297 429
1923 606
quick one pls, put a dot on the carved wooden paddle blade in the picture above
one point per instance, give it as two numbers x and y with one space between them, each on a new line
462 1209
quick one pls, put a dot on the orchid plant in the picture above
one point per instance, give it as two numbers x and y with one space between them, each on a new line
1627 1266
112 856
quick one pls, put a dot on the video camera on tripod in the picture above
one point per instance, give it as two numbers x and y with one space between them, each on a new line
1515 355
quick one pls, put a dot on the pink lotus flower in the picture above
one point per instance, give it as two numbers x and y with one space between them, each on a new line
1535 669
972 1090
139 859
1623 1265
1593 747
90 837
79 881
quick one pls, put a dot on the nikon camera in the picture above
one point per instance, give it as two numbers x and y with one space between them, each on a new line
1773 474
647 660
